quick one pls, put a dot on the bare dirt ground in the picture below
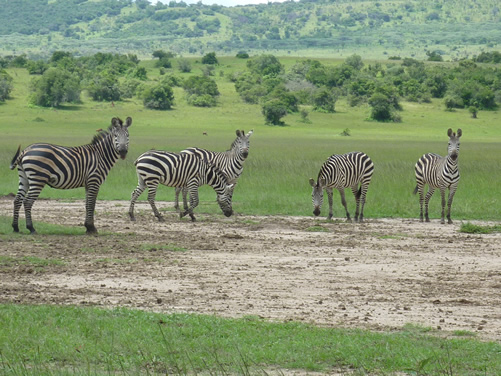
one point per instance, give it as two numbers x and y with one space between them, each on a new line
379 275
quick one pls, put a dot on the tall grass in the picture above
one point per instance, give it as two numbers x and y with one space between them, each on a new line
282 159
55 340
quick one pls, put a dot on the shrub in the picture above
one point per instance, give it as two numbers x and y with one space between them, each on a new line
55 87
210 58
203 87
5 85
104 88
158 97
324 100
274 110
184 65
382 109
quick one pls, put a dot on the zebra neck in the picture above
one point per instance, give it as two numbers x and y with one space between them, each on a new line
451 166
105 151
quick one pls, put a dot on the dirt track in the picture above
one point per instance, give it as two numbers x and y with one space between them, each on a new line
379 275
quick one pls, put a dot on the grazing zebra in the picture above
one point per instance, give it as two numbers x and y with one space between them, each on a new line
340 172
439 172
179 170
68 167
230 162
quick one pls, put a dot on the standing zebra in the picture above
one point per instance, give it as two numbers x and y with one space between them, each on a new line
230 162
439 172
68 167
340 172
179 170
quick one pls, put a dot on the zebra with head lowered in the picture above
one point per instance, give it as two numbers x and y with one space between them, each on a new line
179 170
439 172
68 167
340 172
230 162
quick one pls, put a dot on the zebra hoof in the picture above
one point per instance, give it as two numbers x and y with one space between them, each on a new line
15 228
91 230
160 219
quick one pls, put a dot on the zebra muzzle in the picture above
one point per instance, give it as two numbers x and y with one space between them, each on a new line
123 153
316 211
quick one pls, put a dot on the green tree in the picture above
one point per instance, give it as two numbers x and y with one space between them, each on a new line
324 100
201 91
5 85
55 87
210 58
265 65
184 65
158 97
274 110
381 107
104 87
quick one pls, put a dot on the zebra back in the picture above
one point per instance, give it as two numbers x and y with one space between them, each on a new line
230 162
179 170
346 170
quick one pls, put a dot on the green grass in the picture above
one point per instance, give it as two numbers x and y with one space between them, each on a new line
282 159
73 340
471 228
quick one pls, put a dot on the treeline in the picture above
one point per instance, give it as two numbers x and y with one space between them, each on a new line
291 25
382 86
308 85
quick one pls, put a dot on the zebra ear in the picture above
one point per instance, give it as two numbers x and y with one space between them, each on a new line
128 122
116 122
238 133
449 132
460 132
250 132
312 183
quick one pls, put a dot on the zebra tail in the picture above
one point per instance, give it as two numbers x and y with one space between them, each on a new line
415 190
15 161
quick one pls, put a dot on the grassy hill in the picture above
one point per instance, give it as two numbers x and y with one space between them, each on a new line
456 29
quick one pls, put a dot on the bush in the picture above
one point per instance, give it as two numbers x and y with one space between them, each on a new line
210 58
104 88
55 87
5 85
324 100
158 97
382 109
203 87
184 65
273 110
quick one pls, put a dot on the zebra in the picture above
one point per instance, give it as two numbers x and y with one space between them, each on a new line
340 172
67 168
439 172
230 162
179 170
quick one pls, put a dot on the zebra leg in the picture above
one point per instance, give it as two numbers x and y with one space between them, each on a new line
452 192
19 199
31 197
329 198
185 198
355 191
152 192
193 203
442 195
427 198
176 200
361 200
91 192
134 196
343 201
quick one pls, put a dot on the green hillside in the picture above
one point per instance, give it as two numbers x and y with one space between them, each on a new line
454 28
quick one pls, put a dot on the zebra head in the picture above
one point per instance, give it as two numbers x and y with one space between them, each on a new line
317 195
453 147
242 143
224 200
120 135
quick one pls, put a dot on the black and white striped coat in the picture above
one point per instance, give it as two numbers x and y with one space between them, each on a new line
68 167
230 162
352 170
179 170
439 173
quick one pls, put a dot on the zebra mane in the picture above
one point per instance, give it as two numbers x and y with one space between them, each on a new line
101 135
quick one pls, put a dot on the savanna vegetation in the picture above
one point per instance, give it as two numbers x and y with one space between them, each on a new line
432 29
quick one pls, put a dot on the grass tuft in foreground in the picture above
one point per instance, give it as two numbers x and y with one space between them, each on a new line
62 340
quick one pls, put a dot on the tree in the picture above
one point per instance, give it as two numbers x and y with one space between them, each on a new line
184 65
55 87
382 109
265 65
158 97
201 91
105 87
324 100
210 58
274 110
5 85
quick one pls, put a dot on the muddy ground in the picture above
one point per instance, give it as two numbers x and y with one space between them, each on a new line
379 275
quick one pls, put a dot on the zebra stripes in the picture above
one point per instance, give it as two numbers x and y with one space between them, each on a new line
439 173
230 162
67 168
179 170
340 172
